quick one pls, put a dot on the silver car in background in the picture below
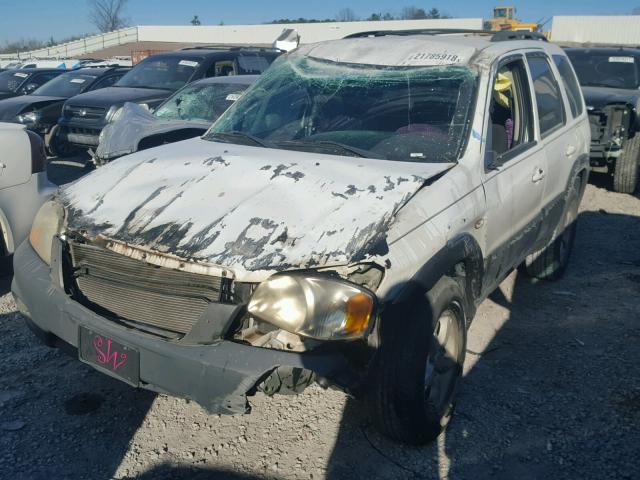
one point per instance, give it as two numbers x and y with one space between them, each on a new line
24 186
186 114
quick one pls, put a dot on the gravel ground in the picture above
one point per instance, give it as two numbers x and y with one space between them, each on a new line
551 389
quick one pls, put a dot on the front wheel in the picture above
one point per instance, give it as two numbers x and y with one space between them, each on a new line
627 167
411 398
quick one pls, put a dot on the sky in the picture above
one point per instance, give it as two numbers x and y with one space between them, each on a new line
42 19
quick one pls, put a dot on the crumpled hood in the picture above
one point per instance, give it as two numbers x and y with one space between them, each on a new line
246 208
598 97
105 97
11 107
123 136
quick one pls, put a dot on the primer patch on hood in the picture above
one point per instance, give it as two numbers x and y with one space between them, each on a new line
246 208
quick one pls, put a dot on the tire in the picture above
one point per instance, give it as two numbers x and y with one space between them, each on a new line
57 147
551 262
411 393
627 167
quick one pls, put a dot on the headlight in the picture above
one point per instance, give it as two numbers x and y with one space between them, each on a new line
114 114
315 306
29 118
46 226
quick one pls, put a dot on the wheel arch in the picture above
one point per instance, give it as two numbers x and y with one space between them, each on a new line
461 259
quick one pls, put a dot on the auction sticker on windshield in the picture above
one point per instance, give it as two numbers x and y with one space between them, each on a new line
621 59
188 63
77 80
21 75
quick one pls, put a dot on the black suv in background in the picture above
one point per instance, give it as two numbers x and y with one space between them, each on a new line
610 81
151 82
25 81
40 110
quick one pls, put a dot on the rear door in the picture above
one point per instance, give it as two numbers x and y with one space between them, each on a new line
514 171
558 134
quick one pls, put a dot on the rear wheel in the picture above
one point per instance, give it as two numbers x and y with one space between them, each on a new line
627 167
411 398
551 262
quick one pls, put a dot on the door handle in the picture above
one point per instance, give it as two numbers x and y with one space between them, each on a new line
538 175
570 150
2 167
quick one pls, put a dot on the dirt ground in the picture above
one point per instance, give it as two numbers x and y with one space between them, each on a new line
551 389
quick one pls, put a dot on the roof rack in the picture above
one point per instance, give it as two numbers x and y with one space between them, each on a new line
228 48
506 35
500 36
420 31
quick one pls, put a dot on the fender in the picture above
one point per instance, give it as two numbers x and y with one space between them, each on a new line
460 258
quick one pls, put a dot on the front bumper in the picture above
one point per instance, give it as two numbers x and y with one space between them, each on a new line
217 376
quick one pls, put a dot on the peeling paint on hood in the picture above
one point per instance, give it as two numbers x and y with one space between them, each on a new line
244 208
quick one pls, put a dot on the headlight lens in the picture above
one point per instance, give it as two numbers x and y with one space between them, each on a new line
114 114
46 226
315 306
29 118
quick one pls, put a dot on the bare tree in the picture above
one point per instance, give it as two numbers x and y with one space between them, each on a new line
107 15
346 15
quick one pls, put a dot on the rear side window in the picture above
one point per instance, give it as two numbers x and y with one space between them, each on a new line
547 91
570 82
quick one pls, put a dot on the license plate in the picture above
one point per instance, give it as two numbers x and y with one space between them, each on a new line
109 356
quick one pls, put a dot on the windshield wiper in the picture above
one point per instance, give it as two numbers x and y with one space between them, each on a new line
330 145
228 137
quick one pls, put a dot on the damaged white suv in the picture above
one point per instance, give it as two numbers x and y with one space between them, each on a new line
339 224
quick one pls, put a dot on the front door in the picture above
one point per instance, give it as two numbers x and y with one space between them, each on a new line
515 172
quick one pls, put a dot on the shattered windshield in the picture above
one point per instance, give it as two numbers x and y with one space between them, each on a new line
11 80
395 113
66 85
617 70
165 73
205 102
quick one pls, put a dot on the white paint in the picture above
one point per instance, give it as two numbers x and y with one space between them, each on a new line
414 50
307 215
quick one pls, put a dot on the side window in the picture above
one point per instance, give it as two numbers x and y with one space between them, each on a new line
106 82
222 68
42 78
511 110
253 64
547 91
571 86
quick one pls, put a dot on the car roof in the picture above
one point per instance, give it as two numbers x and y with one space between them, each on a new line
233 79
419 49
38 70
606 50
99 71
211 51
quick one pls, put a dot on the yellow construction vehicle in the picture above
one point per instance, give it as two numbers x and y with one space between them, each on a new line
504 18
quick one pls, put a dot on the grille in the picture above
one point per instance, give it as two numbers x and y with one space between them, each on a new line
136 291
84 113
